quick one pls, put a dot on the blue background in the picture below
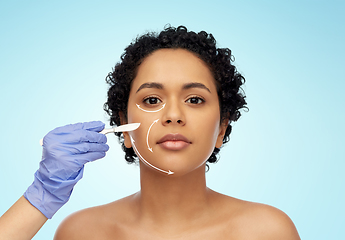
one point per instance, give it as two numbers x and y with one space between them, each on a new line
287 151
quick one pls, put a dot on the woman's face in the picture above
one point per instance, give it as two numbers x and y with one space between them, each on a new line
174 97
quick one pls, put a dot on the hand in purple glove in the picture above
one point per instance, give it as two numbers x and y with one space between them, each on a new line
65 151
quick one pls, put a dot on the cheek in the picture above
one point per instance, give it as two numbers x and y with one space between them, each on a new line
207 123
206 130
208 138
146 120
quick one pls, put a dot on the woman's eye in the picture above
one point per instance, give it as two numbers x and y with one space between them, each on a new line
195 100
152 100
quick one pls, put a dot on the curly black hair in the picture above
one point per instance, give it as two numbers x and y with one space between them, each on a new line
203 45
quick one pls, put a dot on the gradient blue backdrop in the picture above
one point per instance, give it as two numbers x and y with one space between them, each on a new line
287 151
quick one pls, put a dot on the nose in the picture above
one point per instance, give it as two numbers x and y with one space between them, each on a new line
173 114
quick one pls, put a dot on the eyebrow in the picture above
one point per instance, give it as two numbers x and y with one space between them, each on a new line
195 85
184 87
151 85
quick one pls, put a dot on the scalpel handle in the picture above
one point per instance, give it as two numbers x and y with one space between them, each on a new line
107 130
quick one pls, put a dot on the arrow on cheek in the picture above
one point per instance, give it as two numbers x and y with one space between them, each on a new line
147 136
148 110
146 162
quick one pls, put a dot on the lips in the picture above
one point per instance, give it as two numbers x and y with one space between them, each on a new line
174 142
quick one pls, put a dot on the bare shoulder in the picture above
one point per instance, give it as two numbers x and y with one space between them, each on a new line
76 226
99 222
259 221
271 222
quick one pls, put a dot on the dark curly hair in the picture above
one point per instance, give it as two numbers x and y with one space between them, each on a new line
228 81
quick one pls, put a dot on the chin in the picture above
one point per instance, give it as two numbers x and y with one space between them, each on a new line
178 168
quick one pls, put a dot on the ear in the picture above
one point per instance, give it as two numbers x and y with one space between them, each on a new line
222 130
123 120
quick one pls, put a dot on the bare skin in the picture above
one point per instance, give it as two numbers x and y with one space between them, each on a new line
177 206
22 221
180 213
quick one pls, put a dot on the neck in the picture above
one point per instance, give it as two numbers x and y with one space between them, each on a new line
171 198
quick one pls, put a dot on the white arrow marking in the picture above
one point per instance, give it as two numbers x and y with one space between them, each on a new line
148 110
146 162
147 137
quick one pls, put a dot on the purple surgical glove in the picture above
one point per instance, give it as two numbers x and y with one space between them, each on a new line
65 151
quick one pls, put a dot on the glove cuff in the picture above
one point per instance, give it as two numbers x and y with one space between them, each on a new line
48 199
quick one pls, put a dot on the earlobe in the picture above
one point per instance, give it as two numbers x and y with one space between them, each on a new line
219 142
222 130
127 139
